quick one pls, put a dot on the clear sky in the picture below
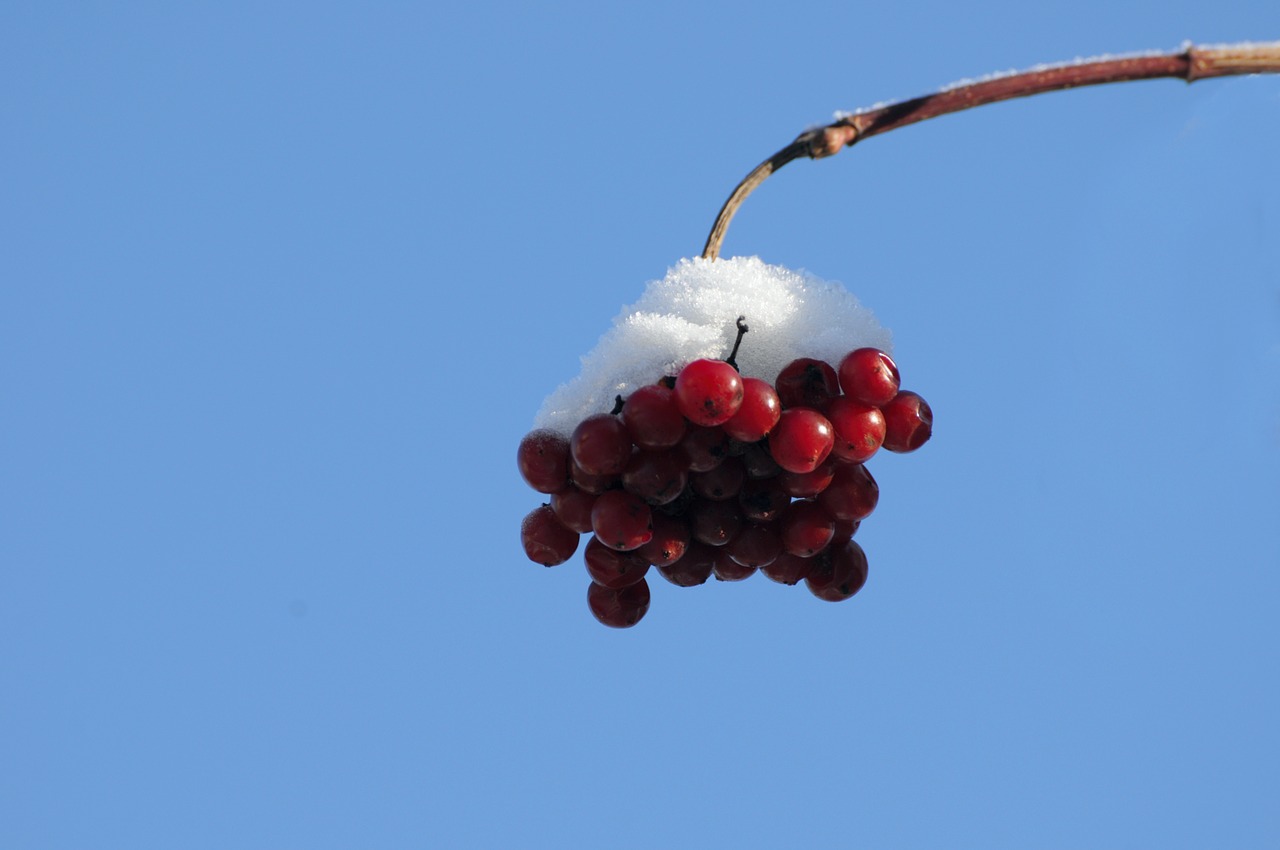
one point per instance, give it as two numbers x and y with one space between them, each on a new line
283 284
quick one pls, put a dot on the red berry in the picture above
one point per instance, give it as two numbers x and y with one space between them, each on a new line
652 417
669 542
706 448
723 482
852 495
802 439
726 568
788 568
621 608
610 568
546 540
622 520
757 415
807 383
600 445
755 545
870 376
838 574
759 463
908 422
543 458
573 508
762 501
859 429
806 485
693 569
806 528
714 523
658 477
709 392
589 483
845 529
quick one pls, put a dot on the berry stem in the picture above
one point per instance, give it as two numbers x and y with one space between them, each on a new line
1191 63
732 359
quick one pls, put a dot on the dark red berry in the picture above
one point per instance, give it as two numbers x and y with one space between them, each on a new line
725 568
755 545
706 448
714 523
852 495
762 501
908 422
600 445
870 376
621 608
610 568
723 482
838 573
543 459
622 520
669 542
805 528
806 485
653 418
807 383
788 568
658 477
759 463
709 392
590 483
694 568
546 540
573 508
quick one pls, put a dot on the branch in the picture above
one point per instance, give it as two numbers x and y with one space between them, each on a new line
1191 64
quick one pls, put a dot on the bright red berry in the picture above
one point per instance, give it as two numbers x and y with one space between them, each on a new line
669 542
801 440
869 376
709 392
852 494
806 528
757 415
908 422
859 429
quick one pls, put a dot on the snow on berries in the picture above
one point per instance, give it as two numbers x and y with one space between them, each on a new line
685 448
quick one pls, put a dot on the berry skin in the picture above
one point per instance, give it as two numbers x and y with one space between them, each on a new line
754 546
725 568
807 383
762 501
706 448
573 508
806 485
694 568
806 528
723 482
546 540
714 523
788 568
802 439
757 415
621 608
612 569
669 543
908 422
658 477
870 376
709 392
852 495
859 428
590 483
600 445
543 459
653 418
622 520
838 574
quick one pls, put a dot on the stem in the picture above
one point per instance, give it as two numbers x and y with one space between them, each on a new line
732 359
1191 64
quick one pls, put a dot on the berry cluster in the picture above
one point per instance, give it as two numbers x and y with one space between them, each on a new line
712 473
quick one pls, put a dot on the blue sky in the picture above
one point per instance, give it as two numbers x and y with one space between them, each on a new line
283 285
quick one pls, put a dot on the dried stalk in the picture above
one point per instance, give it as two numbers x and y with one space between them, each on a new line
1191 64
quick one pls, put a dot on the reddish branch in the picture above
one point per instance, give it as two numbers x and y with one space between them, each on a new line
1191 64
